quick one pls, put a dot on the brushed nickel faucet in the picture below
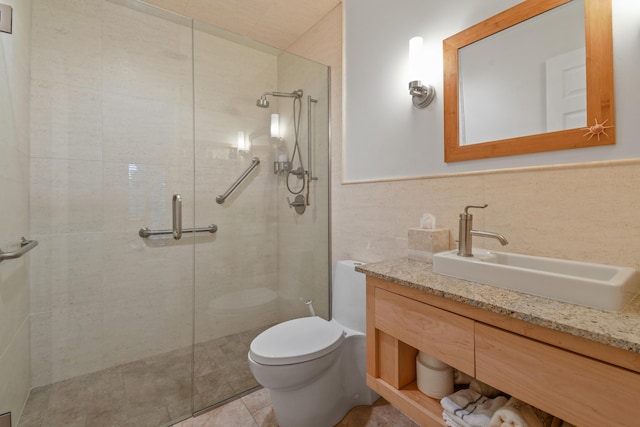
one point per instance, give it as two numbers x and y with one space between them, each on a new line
465 232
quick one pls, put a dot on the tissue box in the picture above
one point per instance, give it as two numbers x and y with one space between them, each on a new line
424 243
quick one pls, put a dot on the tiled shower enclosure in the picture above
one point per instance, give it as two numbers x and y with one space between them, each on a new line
129 106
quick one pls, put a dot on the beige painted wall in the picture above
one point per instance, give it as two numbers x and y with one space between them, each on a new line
586 212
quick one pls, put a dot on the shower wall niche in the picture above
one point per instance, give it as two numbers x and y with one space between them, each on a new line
131 104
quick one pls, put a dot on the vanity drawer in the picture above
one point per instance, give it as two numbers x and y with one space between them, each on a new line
580 390
444 335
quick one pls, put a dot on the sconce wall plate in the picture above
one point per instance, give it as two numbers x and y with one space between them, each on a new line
422 95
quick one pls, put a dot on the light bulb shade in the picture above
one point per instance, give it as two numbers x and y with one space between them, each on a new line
417 63
275 126
421 94
242 142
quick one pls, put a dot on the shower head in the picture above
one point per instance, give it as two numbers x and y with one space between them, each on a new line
262 102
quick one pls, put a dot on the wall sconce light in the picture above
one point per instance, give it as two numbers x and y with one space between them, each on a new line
275 126
243 145
422 95
281 165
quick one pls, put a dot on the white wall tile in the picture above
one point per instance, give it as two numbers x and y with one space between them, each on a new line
145 56
66 343
14 299
41 349
139 130
14 371
66 43
140 195
136 328
66 121
66 196
77 263
76 341
135 267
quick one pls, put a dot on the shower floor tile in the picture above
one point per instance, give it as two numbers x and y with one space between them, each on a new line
153 391
148 392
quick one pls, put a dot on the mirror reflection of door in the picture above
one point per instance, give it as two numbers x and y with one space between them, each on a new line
504 91
566 91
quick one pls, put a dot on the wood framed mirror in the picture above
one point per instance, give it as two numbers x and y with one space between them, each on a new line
598 75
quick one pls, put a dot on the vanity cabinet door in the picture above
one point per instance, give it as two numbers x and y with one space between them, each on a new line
439 333
578 389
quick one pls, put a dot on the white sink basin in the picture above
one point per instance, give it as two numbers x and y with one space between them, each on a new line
592 285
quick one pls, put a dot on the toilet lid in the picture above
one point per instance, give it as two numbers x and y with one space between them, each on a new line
296 341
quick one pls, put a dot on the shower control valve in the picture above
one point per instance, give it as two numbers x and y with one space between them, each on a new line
298 203
299 172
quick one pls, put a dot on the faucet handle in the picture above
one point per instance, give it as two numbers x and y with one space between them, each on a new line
473 206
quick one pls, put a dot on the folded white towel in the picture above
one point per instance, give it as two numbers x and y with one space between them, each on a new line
483 389
452 421
474 409
519 414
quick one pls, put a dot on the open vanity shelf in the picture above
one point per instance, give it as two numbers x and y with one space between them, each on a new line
578 380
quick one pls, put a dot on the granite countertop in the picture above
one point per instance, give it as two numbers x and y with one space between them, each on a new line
617 329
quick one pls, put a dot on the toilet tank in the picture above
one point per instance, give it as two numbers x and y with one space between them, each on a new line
348 298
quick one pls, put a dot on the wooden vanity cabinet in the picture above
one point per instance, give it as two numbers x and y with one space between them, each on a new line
581 381
447 336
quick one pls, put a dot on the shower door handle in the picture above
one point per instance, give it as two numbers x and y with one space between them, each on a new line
177 229
177 216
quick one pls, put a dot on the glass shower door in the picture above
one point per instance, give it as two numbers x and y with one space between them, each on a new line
112 143
267 260
132 106
148 179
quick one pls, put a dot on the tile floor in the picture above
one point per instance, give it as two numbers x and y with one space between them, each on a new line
254 410
153 391
146 393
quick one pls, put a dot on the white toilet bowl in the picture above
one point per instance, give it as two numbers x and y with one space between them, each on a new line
314 369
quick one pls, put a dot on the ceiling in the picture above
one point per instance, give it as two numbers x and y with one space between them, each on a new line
278 23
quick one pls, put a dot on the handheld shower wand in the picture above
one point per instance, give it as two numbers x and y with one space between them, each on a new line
300 172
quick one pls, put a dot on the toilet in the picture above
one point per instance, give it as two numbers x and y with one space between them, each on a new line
315 369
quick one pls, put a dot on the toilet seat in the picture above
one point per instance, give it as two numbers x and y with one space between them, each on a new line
296 341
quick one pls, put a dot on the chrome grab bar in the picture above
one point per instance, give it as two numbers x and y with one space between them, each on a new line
177 229
25 246
177 216
221 198
145 232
